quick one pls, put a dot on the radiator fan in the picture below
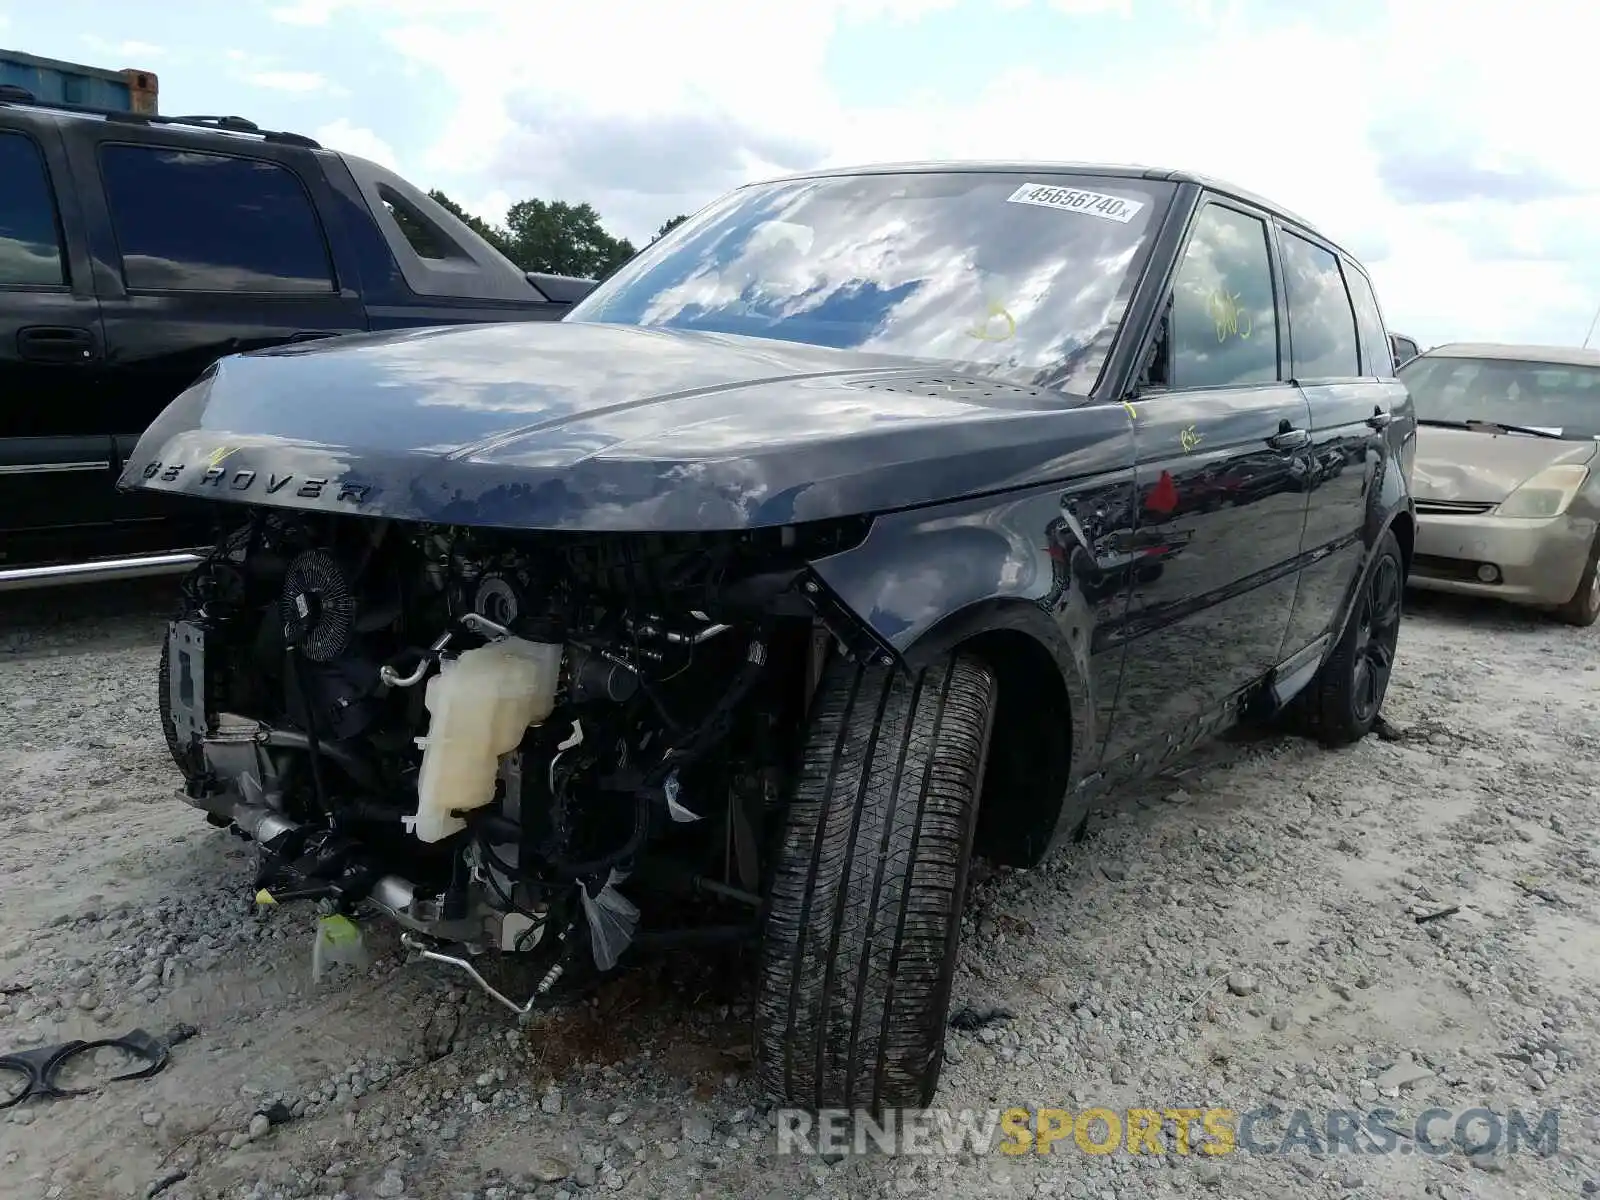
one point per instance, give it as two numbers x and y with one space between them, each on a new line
318 606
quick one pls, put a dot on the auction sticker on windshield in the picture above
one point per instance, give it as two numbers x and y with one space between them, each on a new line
1068 199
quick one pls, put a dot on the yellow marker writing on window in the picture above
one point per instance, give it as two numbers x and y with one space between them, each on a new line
1230 317
987 331
1189 438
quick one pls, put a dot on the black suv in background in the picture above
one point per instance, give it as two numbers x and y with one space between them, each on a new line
136 250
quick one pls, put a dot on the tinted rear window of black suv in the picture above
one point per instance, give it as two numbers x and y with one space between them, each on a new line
200 222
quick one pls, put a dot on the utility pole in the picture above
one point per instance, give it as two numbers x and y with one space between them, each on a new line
1592 325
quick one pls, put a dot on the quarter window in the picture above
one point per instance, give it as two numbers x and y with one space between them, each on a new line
1321 322
1375 356
1224 328
30 237
426 238
188 221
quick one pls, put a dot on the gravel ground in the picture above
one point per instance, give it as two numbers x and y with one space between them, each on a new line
1240 933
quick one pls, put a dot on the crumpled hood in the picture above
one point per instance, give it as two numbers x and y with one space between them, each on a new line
1485 468
566 425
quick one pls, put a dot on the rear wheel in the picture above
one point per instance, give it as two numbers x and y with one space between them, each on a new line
870 874
1342 704
1584 607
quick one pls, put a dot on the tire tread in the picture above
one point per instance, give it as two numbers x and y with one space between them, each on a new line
871 867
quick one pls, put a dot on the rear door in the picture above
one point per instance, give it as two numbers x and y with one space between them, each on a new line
55 456
1348 380
204 250
1221 443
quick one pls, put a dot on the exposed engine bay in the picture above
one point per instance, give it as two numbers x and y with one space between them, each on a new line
557 745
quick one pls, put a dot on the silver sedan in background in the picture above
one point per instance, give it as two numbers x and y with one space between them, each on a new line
1505 480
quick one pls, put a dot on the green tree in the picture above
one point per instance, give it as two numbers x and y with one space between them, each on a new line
564 239
676 221
551 235
492 234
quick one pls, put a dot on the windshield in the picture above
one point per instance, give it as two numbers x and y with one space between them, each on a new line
1562 399
1024 274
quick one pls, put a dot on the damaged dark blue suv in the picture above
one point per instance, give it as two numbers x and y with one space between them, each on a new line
867 521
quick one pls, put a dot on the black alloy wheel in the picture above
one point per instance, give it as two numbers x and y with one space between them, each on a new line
1341 705
1377 634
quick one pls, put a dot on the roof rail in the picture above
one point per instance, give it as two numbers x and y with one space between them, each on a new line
240 124
11 94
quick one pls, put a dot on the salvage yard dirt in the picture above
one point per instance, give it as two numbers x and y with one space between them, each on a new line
1241 933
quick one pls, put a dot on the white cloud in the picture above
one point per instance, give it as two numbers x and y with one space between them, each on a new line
1087 8
1382 130
141 51
306 12
128 51
349 138
492 205
289 81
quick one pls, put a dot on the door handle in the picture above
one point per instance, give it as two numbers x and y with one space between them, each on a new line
55 344
311 335
1289 438
1380 419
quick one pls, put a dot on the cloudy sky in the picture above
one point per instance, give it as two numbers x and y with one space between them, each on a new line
1445 143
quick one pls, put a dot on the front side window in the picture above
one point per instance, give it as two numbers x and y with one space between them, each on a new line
195 222
1555 397
1021 274
1321 321
1224 325
30 238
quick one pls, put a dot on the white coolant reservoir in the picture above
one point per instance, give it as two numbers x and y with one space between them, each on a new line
479 706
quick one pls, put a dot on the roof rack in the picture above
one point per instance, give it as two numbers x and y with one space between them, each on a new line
11 94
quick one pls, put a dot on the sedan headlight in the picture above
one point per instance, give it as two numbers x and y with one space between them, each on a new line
1547 494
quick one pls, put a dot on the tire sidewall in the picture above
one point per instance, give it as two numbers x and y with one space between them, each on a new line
1584 607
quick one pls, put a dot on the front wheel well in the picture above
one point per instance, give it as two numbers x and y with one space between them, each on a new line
1030 749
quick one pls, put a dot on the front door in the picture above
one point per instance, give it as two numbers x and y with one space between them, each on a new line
1222 441
55 457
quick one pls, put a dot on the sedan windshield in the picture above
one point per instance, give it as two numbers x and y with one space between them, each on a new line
1556 398
1028 275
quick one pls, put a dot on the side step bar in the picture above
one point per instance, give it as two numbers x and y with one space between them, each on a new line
16 579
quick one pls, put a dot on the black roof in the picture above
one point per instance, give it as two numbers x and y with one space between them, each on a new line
13 96
1045 167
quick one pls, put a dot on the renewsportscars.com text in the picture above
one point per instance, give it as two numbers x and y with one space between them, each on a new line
1201 1131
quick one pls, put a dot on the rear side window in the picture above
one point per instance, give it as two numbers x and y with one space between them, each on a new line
1375 356
1224 320
1322 325
30 237
194 222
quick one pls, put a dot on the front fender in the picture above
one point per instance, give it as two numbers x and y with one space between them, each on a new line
1045 565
